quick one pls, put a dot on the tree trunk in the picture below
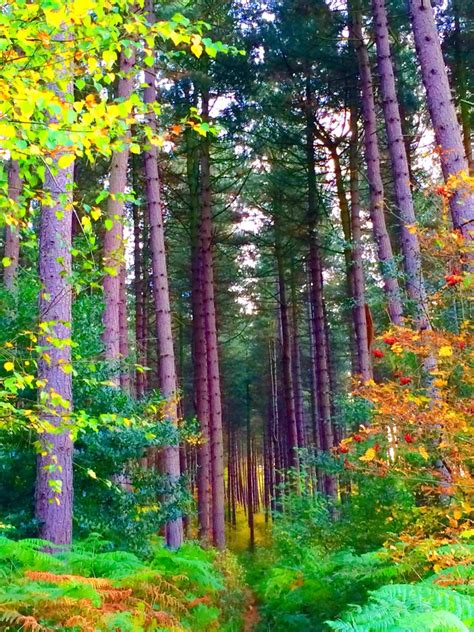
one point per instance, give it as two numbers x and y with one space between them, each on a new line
442 111
400 170
164 331
201 390
372 156
461 84
323 379
123 330
12 233
113 250
250 485
288 386
54 481
139 303
346 229
360 319
296 361
213 375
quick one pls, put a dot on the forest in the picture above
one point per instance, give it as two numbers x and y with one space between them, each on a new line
236 272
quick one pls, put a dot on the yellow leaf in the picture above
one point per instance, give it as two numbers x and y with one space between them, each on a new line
6 261
423 452
369 455
457 513
411 228
91 473
445 352
8 366
65 161
196 46
96 213
86 223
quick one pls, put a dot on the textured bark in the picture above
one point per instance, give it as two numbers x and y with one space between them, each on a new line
250 470
123 330
201 390
442 111
288 386
139 302
164 330
376 189
213 375
316 297
54 510
358 286
12 235
113 251
346 229
400 171
460 70
296 362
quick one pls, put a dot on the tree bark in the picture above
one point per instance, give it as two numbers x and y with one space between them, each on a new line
442 112
374 176
358 286
213 374
113 250
400 171
12 233
461 84
139 303
54 479
323 379
288 386
164 330
123 330
201 390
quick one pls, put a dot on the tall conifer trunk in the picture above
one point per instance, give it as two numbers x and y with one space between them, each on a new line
139 303
54 480
288 386
374 175
213 373
113 249
164 330
358 285
400 171
321 351
200 382
442 111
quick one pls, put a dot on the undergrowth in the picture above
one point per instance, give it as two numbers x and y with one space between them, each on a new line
96 588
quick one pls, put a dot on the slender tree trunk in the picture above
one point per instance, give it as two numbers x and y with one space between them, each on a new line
296 361
123 330
360 319
442 111
250 485
372 156
213 374
164 330
54 481
460 76
321 350
12 233
289 391
139 302
201 390
400 171
113 250
346 229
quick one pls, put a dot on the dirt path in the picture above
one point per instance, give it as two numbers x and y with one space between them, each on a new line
251 616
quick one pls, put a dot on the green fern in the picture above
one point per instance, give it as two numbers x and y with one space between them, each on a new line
409 608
